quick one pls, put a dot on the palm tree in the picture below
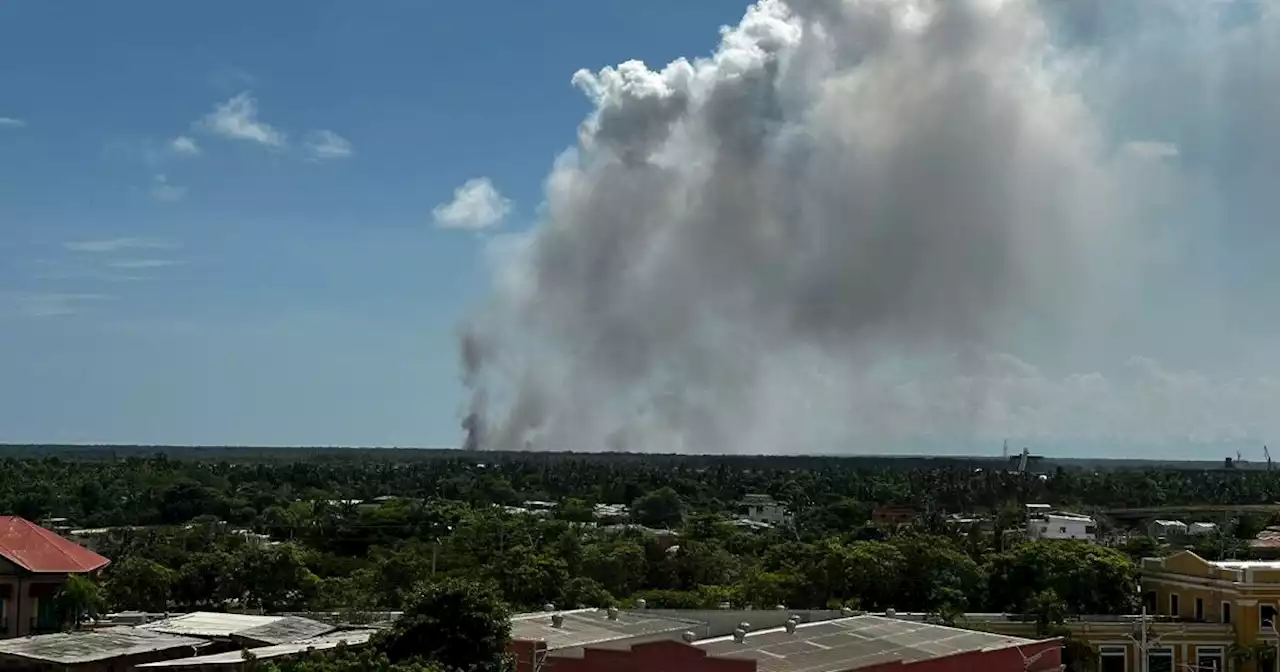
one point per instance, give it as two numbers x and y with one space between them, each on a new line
78 600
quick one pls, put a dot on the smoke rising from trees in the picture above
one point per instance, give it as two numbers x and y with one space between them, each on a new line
771 248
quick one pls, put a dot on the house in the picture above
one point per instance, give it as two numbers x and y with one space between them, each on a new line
1061 525
234 660
115 649
893 515
34 564
1202 529
1200 615
241 629
1167 529
844 644
763 509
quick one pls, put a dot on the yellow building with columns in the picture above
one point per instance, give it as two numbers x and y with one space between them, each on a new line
1201 616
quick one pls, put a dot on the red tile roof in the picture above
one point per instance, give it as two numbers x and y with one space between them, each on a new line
38 550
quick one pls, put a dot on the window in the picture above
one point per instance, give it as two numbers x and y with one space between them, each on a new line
4 616
1089 529
1267 616
1173 604
1209 659
1112 659
1160 660
1150 602
1226 612
1199 609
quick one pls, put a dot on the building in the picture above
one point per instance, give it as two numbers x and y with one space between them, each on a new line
234 660
246 630
763 509
1202 529
863 643
1060 525
893 515
1167 529
116 649
34 564
543 639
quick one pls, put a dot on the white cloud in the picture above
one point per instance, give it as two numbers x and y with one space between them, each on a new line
112 245
10 122
325 144
237 119
136 264
48 304
161 190
184 146
476 205
1151 150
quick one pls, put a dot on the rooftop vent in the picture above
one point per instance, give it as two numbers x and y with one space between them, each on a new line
846 611
780 607
548 607
740 635
557 620
744 626
890 613
641 603
688 636
613 613
791 626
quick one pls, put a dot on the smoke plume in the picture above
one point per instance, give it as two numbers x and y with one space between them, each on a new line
760 250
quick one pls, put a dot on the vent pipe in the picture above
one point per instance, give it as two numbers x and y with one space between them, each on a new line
641 603
688 636
557 620
846 612
890 613
613 613
744 626
739 635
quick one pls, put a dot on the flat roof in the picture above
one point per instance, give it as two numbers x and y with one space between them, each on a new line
1247 564
87 646
286 629
854 642
329 641
209 624
582 627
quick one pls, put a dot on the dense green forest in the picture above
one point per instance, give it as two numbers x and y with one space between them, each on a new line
358 530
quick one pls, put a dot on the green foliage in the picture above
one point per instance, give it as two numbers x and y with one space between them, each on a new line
459 625
78 599
660 508
336 543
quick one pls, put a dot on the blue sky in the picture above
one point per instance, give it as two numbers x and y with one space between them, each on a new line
264 223
244 286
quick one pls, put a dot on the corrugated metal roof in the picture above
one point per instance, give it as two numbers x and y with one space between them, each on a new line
592 626
86 646
330 641
209 624
38 550
287 629
850 643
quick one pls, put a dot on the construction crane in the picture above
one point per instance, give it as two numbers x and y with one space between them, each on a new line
1268 454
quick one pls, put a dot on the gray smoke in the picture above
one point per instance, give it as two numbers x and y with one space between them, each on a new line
742 249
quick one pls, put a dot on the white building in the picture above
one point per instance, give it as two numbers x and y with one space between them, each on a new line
1168 529
1061 525
763 509
1202 529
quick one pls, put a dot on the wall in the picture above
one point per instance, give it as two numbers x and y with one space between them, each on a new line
21 593
669 656
1012 659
